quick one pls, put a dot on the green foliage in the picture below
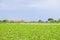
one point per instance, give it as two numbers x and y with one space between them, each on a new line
40 21
32 22
58 21
49 19
46 21
4 20
52 21
0 21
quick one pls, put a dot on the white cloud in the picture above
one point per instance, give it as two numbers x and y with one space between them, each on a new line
53 4
22 3
50 4
14 4
47 4
40 4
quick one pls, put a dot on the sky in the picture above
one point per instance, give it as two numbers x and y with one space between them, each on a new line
29 10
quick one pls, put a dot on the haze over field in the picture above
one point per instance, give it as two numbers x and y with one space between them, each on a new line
29 9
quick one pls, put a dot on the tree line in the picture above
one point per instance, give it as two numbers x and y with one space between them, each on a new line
50 20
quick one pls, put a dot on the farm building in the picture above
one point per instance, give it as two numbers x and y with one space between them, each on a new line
16 21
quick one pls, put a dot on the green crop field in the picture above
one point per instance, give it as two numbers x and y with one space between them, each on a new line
29 31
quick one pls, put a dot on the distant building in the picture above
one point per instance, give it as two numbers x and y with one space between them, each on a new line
16 21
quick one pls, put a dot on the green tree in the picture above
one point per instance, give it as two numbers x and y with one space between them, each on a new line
0 21
58 21
4 20
46 21
40 21
32 21
51 20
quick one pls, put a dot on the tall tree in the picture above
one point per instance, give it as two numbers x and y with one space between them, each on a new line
0 21
40 21
51 20
5 20
58 21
